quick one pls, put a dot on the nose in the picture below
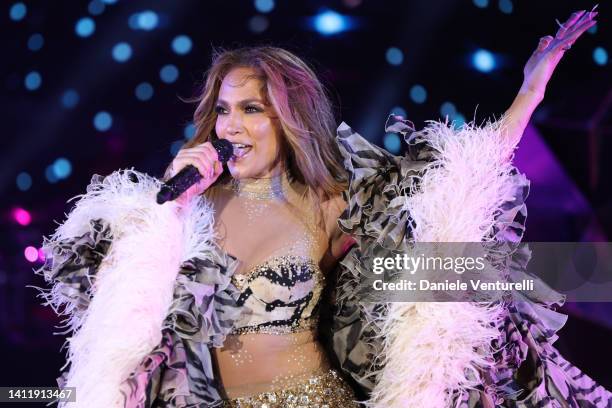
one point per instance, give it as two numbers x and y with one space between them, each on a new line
233 125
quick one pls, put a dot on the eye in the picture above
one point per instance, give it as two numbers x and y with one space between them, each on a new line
220 110
252 109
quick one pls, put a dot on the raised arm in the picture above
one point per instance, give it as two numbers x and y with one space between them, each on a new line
539 69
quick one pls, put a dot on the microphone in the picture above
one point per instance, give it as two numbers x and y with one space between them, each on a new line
189 175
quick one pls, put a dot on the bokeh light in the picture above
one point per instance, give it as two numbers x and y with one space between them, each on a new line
50 174
398 110
176 146
392 142
483 60
147 20
330 22
264 6
18 11
448 109
458 120
481 3
96 7
24 181
394 56
32 81
600 56
592 30
189 131
144 91
122 52
70 98
62 168
505 6
169 73
103 121
258 24
31 254
181 44
85 27
418 94
21 216
35 42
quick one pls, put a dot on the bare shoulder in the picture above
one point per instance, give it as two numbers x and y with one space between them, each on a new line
339 242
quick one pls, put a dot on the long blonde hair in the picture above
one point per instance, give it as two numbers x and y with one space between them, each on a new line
303 108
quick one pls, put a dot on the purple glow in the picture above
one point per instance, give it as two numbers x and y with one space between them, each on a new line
21 216
31 254
41 255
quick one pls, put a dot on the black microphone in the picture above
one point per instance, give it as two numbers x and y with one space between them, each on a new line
189 175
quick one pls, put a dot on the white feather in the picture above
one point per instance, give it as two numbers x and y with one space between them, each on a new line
134 284
433 352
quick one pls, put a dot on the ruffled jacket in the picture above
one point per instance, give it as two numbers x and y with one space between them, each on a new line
145 289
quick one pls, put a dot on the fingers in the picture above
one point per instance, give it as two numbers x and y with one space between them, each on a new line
544 42
569 23
204 157
578 31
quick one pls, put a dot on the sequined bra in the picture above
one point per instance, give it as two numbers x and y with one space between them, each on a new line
279 296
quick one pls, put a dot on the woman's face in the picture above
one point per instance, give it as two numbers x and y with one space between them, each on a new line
251 126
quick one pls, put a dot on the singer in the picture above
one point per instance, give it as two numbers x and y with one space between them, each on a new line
247 294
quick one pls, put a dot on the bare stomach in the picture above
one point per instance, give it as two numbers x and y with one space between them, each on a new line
254 363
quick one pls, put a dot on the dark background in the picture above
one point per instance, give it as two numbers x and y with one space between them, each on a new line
565 150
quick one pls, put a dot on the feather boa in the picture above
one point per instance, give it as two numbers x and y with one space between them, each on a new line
134 284
433 352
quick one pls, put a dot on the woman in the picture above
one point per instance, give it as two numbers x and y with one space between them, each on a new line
238 325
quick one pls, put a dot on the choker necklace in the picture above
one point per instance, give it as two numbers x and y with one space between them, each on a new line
269 188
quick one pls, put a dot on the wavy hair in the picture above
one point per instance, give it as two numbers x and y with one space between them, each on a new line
303 108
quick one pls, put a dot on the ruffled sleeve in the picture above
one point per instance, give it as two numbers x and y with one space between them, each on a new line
452 185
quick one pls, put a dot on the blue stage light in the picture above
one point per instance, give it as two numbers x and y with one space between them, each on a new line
50 175
483 61
505 6
392 142
122 52
85 27
24 181
109 1
169 73
181 44
18 11
62 168
103 121
35 42
96 7
600 56
398 110
481 3
144 91
189 131
592 30
448 109
458 120
418 94
258 24
264 6
32 81
176 146
394 56
147 20
70 98
329 22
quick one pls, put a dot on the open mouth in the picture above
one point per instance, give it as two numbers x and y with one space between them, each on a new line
241 149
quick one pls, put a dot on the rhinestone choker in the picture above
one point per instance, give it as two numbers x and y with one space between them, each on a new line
275 187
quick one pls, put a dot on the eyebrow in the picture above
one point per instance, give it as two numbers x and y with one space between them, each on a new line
242 102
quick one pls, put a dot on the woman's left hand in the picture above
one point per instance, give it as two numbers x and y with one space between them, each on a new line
544 60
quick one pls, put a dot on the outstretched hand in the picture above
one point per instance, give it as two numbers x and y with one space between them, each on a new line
544 60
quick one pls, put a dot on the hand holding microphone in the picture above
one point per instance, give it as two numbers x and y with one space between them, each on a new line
200 166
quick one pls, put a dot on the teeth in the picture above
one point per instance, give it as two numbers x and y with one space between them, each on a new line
240 145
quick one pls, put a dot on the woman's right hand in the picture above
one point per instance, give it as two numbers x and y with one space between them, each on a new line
203 157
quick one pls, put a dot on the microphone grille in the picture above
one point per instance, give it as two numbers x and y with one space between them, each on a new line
224 149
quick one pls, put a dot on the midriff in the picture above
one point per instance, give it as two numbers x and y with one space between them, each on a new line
254 363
